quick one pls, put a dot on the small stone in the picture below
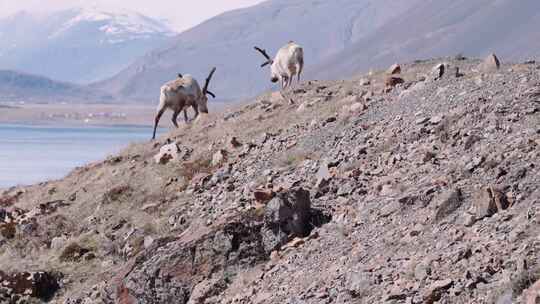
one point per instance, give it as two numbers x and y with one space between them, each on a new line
474 163
394 69
59 242
331 119
323 175
302 107
263 196
72 197
421 272
167 153
345 189
489 201
435 120
89 256
357 107
233 141
421 121
392 81
148 241
469 219
532 295
490 63
219 157
457 73
390 209
107 264
436 290
296 242
321 295
449 202
364 82
438 71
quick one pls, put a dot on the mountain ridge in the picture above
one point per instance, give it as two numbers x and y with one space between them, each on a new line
18 86
78 45
366 34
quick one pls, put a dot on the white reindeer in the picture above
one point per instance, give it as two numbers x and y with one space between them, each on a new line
289 61
181 93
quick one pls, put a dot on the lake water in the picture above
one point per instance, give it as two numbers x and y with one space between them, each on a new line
32 154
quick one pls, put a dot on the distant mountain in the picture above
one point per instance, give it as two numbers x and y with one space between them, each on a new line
78 45
226 41
16 86
443 28
340 38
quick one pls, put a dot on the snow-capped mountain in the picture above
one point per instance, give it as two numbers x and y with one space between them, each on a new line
117 27
78 45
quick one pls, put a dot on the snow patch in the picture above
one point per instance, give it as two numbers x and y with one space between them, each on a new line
117 26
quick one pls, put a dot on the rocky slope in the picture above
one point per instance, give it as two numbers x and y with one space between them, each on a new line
332 192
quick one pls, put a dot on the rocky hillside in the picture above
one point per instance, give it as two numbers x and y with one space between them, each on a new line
419 187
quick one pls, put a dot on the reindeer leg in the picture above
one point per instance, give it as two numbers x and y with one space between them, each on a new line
285 82
186 118
299 69
156 121
196 109
175 118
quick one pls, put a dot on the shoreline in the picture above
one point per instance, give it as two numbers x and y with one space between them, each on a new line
78 114
98 115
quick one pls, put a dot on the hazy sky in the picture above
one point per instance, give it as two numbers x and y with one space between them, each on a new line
182 14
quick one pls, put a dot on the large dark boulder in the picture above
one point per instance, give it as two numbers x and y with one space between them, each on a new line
287 216
39 285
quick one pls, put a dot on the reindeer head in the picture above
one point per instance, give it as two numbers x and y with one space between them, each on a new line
274 76
202 103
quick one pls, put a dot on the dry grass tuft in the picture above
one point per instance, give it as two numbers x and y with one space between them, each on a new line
73 253
8 230
199 166
116 193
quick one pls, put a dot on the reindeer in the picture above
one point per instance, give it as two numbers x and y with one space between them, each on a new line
181 93
289 61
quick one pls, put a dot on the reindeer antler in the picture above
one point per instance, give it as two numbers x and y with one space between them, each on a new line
205 88
263 52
